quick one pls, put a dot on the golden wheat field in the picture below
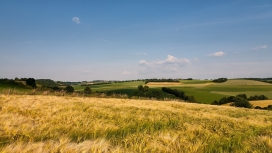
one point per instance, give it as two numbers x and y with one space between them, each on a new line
45 124
261 103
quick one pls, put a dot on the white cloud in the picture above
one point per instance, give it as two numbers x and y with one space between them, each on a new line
76 20
140 54
170 64
217 54
127 73
260 47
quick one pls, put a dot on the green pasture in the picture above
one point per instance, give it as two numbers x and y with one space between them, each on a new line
194 81
200 95
10 86
123 87
204 94
244 83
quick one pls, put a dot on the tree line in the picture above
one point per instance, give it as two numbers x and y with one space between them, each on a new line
179 94
239 100
161 80
144 91
220 80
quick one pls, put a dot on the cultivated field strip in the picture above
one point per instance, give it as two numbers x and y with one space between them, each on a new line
77 124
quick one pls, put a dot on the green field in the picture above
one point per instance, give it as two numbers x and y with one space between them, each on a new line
206 92
194 81
123 87
13 87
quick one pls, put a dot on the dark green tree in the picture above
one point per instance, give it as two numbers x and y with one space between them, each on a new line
242 96
31 82
146 88
241 102
87 90
141 88
69 89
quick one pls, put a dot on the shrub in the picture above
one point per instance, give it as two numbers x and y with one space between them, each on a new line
69 89
241 102
31 82
87 90
220 80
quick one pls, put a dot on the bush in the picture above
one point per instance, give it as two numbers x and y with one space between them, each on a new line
241 102
87 90
144 91
179 94
31 82
220 80
256 97
69 89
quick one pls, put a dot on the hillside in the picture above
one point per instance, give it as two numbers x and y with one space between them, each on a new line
74 124
245 82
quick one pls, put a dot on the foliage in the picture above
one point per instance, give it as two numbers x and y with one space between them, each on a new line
87 90
144 91
244 96
179 94
161 80
31 82
239 100
69 89
256 97
220 80
269 107
11 82
47 83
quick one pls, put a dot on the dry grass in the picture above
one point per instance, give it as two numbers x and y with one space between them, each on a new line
77 124
261 103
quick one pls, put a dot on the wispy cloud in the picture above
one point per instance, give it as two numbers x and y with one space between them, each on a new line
260 47
140 54
170 64
126 73
76 20
217 54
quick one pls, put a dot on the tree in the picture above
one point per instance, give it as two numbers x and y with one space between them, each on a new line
146 88
140 88
69 89
87 90
242 96
241 102
31 82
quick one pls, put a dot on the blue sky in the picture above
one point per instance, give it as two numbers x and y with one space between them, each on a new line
121 40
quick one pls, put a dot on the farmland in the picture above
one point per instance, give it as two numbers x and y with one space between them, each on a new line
77 124
203 90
